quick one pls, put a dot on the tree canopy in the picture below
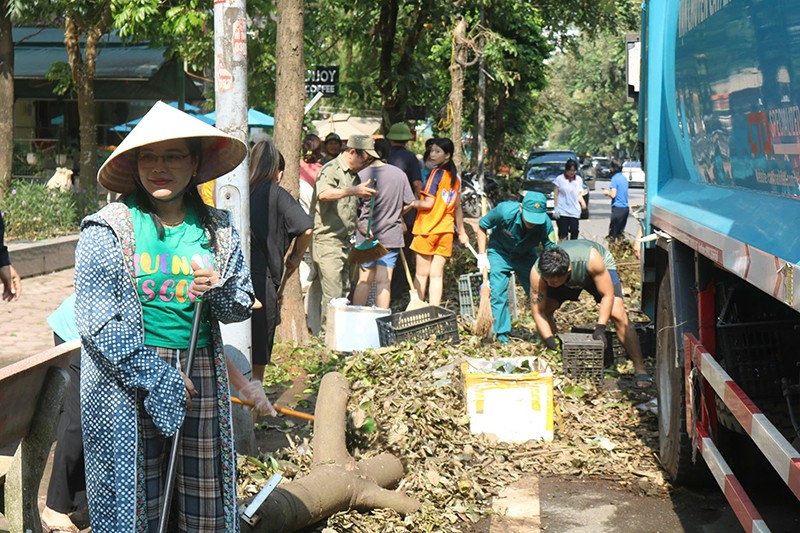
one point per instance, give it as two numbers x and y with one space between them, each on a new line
584 106
548 63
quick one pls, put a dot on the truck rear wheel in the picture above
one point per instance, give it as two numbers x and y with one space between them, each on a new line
675 443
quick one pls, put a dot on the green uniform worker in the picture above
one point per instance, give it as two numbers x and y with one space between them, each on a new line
335 208
517 231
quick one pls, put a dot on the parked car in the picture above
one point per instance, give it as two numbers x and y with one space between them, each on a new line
541 170
602 168
632 170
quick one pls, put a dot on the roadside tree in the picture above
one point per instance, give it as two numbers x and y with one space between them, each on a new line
6 96
289 104
585 101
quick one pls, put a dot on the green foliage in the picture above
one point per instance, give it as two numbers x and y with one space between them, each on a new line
519 40
61 75
32 211
585 102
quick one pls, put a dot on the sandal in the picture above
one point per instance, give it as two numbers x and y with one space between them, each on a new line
72 528
642 381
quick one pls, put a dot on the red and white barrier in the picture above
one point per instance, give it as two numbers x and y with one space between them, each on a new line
783 457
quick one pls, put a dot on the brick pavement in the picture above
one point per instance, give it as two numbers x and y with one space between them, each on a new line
23 324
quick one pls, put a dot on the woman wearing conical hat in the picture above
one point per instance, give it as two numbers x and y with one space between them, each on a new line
140 264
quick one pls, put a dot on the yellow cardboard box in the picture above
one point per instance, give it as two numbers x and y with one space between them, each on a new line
515 407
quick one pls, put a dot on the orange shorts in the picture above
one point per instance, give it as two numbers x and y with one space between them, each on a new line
436 244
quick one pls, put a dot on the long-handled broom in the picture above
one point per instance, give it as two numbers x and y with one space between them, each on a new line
414 301
370 250
484 321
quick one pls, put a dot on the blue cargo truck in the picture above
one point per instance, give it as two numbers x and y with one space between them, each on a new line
719 109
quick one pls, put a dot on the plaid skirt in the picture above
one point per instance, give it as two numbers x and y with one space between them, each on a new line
197 503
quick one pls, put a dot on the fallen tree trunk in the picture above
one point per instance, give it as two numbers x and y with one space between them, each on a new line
336 482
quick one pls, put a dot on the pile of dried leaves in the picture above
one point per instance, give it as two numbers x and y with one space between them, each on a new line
402 404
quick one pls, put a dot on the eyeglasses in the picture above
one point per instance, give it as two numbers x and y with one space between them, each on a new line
173 161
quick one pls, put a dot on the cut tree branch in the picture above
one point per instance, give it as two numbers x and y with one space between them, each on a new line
336 481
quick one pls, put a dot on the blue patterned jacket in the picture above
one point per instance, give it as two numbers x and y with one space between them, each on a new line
116 366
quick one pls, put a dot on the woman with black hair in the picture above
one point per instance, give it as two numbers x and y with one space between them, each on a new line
278 223
568 201
140 265
438 217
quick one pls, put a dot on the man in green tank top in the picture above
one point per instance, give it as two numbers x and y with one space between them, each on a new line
562 273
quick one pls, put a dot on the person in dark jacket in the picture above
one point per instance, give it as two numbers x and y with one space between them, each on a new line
278 223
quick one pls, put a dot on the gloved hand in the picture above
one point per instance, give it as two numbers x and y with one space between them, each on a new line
556 215
191 392
254 392
550 342
483 262
599 334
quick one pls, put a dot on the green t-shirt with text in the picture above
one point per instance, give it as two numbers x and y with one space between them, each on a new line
163 275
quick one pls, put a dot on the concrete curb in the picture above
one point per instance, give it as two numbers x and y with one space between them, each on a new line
43 257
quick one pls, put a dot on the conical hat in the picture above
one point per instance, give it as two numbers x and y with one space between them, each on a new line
221 153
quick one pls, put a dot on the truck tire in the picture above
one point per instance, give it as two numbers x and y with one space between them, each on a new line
675 443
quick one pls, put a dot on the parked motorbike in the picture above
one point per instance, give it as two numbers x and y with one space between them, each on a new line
471 193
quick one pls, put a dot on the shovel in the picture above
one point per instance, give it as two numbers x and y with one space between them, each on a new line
176 439
414 301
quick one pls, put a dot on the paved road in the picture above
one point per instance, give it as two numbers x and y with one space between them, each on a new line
596 227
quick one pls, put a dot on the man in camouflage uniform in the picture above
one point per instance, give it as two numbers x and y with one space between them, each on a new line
335 211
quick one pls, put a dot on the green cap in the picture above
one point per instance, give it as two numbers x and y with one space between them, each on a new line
363 142
534 208
333 136
399 132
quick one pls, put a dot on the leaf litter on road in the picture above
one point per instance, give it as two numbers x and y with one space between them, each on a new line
409 401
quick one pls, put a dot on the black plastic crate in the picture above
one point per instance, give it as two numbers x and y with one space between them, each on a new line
758 354
615 353
418 325
582 356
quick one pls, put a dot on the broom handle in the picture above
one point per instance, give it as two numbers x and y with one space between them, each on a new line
484 210
281 410
173 456
405 267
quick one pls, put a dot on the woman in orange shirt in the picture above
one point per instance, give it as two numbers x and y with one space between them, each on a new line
438 217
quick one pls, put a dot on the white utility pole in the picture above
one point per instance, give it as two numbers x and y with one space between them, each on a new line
233 189
230 96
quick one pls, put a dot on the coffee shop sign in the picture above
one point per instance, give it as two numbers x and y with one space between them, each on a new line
323 80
